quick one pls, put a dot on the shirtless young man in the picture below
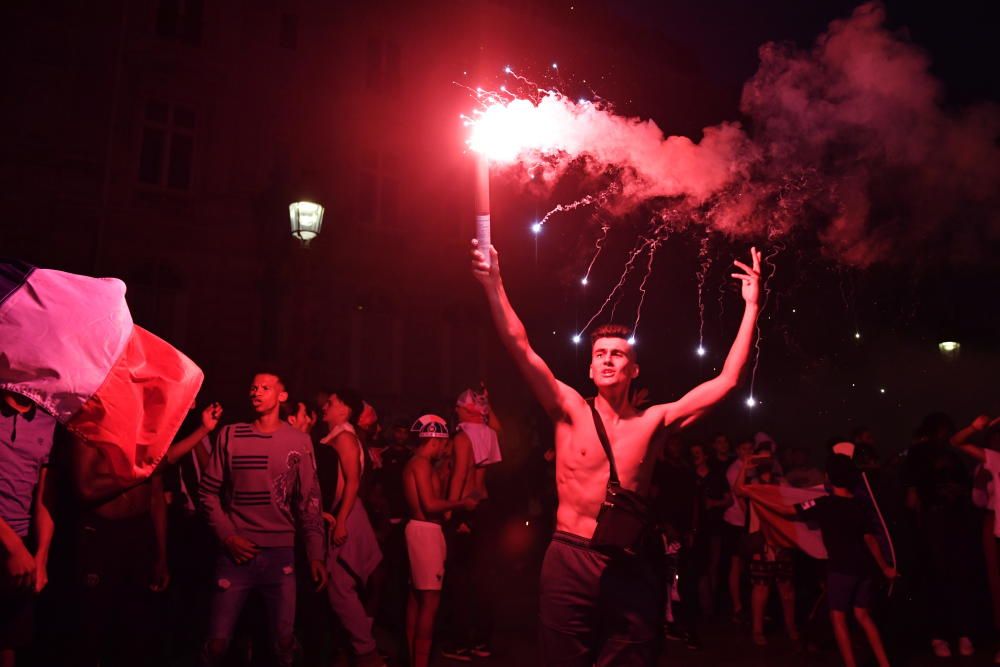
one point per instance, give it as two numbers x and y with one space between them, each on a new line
596 608
472 535
424 538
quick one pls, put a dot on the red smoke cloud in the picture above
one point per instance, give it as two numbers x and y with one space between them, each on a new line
848 141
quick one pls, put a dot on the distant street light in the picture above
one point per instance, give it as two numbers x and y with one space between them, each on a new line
949 348
307 220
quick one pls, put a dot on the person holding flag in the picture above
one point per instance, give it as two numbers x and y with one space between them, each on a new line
853 552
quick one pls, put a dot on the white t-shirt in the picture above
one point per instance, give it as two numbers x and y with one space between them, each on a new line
485 444
992 464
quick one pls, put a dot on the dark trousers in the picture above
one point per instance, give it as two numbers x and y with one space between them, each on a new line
117 617
598 610
470 578
954 566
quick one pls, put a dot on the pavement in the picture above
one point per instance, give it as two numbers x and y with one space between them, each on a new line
724 645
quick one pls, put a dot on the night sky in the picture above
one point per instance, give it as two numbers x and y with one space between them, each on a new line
833 336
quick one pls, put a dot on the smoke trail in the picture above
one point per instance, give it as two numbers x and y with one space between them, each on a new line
847 141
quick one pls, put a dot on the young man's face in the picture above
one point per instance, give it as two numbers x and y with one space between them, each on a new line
335 411
435 447
745 449
720 445
299 419
697 455
399 435
266 393
468 415
611 362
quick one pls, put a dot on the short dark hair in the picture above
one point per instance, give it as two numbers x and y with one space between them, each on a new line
271 370
353 400
841 471
610 331
290 408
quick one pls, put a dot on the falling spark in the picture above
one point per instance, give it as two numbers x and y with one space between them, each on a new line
769 262
598 246
703 265
576 338
536 228
621 281
751 401
642 286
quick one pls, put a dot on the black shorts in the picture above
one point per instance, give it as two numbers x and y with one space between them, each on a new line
596 609
846 591
732 537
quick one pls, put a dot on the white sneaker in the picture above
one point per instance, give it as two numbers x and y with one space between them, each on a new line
940 648
965 647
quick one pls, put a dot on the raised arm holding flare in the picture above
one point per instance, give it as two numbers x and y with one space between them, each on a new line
582 471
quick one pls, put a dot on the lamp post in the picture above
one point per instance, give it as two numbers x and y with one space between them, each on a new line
306 219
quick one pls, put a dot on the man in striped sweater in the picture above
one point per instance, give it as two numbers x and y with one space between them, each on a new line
259 490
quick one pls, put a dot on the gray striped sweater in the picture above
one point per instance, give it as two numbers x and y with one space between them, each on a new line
263 487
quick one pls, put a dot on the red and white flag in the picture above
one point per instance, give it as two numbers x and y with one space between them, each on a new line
68 343
773 512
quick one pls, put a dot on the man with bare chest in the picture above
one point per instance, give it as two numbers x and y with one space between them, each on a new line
601 607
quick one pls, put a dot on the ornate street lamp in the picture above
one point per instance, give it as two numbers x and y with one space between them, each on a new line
307 220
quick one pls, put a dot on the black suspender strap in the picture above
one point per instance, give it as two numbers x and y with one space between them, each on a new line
602 435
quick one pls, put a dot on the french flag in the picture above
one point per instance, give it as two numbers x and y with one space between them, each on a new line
68 343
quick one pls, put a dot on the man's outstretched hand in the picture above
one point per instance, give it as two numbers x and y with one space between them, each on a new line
487 275
750 278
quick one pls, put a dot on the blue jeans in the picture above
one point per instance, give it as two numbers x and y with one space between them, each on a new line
272 574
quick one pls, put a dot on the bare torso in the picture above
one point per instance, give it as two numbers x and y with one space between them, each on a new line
420 466
474 483
582 468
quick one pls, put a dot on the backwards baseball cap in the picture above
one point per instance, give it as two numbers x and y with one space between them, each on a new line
472 400
430 426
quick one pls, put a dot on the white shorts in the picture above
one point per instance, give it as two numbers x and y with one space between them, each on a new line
427 550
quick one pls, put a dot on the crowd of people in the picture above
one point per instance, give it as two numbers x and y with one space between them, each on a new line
925 511
327 521
311 533
373 516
